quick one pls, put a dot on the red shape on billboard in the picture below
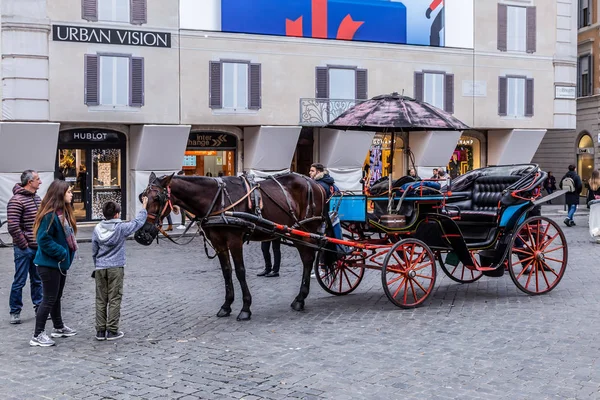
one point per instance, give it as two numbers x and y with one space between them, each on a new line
348 28
293 28
319 19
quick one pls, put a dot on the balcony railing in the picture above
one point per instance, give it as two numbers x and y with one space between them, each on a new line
320 112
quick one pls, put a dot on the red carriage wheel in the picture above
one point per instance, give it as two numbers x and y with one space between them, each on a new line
459 273
538 255
408 273
342 277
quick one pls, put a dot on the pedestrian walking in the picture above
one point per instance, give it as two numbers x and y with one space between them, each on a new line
271 269
108 253
55 231
571 182
550 184
21 210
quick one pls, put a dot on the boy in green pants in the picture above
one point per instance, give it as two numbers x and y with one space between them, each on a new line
108 252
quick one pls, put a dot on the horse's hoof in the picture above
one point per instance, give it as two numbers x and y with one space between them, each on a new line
297 305
223 313
244 316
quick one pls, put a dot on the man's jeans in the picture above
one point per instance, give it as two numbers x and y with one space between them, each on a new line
572 209
24 265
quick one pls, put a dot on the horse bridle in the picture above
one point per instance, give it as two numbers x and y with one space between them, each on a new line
164 201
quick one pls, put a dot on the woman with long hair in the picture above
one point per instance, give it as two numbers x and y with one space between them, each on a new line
55 230
593 203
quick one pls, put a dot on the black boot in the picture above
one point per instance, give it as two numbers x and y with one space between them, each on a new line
265 272
272 274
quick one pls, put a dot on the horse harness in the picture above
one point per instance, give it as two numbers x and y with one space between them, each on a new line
255 204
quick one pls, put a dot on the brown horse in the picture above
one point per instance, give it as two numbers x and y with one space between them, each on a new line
287 199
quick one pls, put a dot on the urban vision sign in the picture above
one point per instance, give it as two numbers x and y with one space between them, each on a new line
65 33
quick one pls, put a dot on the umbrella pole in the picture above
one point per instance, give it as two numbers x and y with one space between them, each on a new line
390 176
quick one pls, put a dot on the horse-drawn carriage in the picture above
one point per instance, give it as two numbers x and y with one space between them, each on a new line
483 223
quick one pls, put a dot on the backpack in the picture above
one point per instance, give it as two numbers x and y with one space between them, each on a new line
568 184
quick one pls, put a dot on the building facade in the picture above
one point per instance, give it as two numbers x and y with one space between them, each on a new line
560 148
104 92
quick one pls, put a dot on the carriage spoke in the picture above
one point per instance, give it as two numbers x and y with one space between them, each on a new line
412 289
549 241
399 287
420 286
557 248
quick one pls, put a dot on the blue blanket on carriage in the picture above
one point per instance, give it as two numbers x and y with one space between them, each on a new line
424 184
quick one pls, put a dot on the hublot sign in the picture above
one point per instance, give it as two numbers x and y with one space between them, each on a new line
64 33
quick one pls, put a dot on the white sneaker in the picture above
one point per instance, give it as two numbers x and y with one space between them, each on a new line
181 227
64 332
41 340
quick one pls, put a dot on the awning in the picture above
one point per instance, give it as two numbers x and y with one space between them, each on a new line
343 153
270 148
158 147
516 146
28 146
433 148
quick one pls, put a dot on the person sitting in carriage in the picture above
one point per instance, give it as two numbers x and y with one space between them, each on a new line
321 175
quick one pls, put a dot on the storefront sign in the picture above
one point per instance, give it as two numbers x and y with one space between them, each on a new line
88 136
202 140
64 33
565 92
586 150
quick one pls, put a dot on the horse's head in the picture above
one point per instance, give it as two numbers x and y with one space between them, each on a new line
159 206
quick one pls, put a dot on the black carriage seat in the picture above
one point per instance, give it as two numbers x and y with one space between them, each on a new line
485 196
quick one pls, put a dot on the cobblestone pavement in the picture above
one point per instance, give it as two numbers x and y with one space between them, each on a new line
486 340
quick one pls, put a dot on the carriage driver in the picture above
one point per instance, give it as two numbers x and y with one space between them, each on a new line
321 175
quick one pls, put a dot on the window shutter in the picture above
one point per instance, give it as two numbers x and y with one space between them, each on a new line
529 98
419 83
138 12
89 10
322 83
590 75
579 77
136 83
91 82
254 86
531 30
215 99
449 93
361 84
502 27
502 96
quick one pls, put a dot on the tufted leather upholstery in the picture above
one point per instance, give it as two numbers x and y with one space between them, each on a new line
487 192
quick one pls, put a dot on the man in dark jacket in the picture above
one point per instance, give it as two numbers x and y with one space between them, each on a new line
21 211
321 175
571 197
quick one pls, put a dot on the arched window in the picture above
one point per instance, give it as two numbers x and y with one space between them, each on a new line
585 159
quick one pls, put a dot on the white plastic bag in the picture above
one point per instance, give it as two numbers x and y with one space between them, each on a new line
595 219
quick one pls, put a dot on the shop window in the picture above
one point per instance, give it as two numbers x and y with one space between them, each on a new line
466 156
114 80
379 163
210 154
435 88
517 28
515 97
585 159
132 11
235 85
584 84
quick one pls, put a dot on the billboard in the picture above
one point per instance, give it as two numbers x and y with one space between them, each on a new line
416 22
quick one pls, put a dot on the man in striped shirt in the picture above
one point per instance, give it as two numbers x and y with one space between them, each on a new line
21 211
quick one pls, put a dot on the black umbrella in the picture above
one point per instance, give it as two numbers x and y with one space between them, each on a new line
395 113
